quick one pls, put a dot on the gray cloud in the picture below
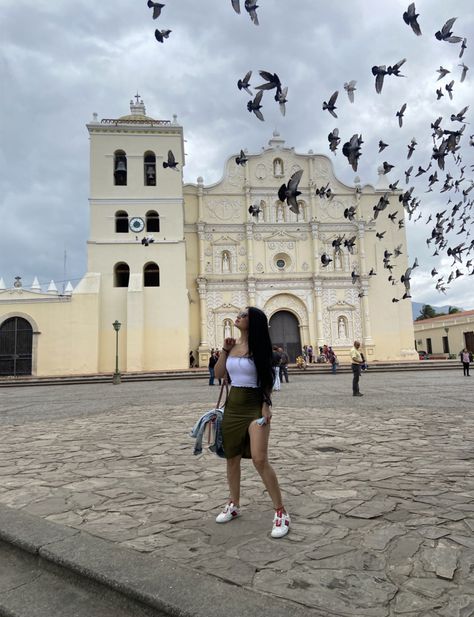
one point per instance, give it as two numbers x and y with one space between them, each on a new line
61 61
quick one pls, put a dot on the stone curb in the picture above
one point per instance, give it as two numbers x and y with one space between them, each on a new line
159 583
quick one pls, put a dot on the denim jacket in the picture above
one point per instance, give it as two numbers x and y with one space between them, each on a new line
200 427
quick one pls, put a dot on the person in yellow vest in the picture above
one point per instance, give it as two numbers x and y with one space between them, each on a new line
357 361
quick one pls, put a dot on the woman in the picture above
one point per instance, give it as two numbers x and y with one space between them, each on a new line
247 417
466 359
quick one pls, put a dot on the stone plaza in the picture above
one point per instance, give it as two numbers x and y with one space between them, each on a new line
380 488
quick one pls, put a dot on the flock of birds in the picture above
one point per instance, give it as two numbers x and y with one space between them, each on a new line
447 142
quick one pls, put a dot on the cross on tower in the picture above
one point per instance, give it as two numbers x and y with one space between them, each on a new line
137 96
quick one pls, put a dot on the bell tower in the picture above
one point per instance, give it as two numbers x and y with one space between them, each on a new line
136 249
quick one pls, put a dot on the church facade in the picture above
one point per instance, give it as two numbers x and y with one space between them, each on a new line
173 263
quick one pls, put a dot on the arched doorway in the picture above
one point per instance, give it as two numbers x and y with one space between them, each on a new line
285 332
16 344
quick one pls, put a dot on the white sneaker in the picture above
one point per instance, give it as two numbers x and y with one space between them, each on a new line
281 524
230 512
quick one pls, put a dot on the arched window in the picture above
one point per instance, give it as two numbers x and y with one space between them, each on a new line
120 168
278 169
151 275
121 274
152 221
149 168
121 222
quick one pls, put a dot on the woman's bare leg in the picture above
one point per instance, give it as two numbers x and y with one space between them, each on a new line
233 478
259 448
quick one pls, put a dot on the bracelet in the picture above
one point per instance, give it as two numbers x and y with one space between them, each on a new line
226 350
267 400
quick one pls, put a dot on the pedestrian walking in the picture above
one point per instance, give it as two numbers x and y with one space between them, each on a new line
333 360
248 412
310 354
212 364
192 360
276 366
284 359
356 362
466 359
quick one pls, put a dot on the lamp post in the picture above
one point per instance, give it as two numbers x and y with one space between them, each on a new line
116 378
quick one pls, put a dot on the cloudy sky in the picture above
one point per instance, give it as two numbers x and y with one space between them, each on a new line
61 61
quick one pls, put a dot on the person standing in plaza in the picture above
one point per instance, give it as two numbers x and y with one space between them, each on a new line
332 360
248 412
212 364
284 359
276 365
466 359
310 354
356 362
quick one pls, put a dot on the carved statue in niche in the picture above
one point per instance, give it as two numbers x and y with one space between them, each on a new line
277 167
342 328
225 262
227 329
279 213
338 260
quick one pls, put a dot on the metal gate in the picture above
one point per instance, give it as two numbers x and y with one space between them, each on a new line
285 332
469 339
16 344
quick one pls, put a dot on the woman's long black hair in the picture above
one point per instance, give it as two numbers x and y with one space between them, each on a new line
260 348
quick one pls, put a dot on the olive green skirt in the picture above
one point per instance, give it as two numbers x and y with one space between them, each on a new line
243 406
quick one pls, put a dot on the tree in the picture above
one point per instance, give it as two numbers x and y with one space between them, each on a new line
427 311
453 309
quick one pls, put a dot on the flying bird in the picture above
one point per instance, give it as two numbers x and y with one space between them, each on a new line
255 107
387 168
400 113
439 93
459 117
380 234
156 6
410 18
171 162
382 146
334 140
255 210
251 8
379 72
236 6
289 192
330 105
464 71
351 150
325 260
463 47
244 84
241 159
442 72
161 35
411 147
272 81
350 88
281 99
449 89
395 69
408 174
446 34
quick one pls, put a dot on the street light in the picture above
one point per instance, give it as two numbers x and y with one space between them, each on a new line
116 378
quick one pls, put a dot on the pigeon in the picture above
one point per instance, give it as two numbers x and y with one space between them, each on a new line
147 240
411 147
350 88
349 243
397 251
289 192
393 216
241 159
434 272
280 97
351 150
442 72
387 168
410 18
334 140
254 106
395 300
325 260
156 6
393 186
445 34
354 277
380 235
379 72
171 162
324 191
272 81
372 272
255 210
382 146
236 6
349 213
464 71
439 93
406 277
395 69
459 117
463 47
244 84
330 105
381 205
400 113
337 243
251 8
408 174
422 171
161 35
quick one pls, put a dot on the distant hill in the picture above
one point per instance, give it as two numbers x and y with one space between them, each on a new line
417 306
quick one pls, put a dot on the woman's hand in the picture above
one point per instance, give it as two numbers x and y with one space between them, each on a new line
228 344
266 413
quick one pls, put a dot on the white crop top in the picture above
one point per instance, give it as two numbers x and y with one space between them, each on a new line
242 371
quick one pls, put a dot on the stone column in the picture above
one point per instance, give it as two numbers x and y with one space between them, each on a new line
249 235
367 332
203 349
362 259
201 242
251 290
318 304
315 247
200 200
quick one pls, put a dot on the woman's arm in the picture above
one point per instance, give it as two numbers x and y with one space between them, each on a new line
219 369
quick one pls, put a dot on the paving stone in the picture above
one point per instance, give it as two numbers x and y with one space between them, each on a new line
373 508
380 537
442 560
461 605
408 602
429 587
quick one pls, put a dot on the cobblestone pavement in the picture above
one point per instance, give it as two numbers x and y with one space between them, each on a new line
380 488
